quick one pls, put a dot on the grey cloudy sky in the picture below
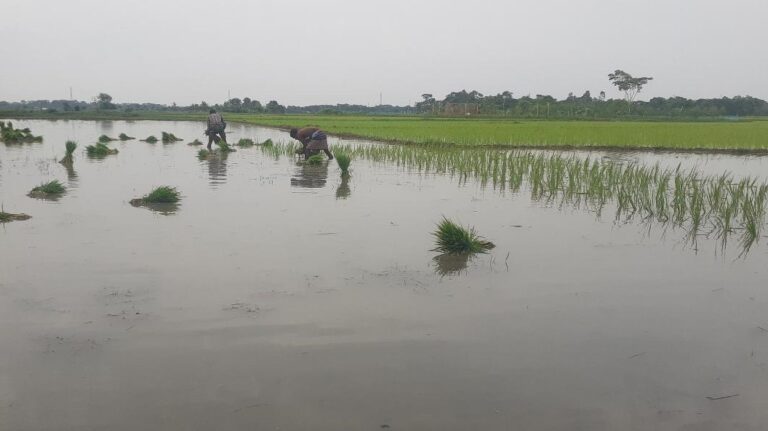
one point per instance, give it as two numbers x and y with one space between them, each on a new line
347 51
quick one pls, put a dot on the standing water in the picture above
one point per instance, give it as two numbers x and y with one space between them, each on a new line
279 295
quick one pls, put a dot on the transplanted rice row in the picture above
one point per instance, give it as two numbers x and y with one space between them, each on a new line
713 206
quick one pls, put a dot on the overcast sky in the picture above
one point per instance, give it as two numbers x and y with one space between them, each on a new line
348 51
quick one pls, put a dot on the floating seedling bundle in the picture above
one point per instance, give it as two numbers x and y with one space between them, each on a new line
100 150
9 135
169 138
124 137
50 190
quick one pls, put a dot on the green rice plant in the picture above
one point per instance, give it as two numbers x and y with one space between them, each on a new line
50 190
343 160
124 137
224 147
10 135
160 195
203 154
452 238
70 148
99 150
104 139
169 138
267 143
315 159
9 217
245 142
150 139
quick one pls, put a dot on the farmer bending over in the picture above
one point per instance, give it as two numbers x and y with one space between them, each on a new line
312 141
216 126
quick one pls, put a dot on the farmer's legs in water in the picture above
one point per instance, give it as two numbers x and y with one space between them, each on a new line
223 135
210 139
328 153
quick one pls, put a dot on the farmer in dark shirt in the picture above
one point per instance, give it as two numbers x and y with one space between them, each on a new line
216 126
312 141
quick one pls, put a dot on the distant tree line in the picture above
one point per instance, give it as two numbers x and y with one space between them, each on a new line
461 102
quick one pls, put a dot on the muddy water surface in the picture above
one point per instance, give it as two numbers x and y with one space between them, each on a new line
277 296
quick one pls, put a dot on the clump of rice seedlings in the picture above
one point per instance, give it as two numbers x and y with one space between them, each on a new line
9 217
47 190
105 138
195 143
70 147
267 143
315 159
99 150
150 139
245 142
452 238
9 135
203 154
124 137
343 160
160 195
224 147
168 138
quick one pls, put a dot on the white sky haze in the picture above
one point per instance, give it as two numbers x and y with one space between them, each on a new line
302 52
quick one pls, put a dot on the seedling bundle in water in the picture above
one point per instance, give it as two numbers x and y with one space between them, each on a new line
169 138
150 139
195 143
160 195
452 238
70 147
51 189
343 160
224 147
124 137
100 150
9 217
9 135
105 139
245 142
315 159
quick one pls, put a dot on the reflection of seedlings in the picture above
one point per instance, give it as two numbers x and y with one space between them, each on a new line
105 139
203 154
452 238
150 139
195 143
245 143
70 146
100 150
169 138
9 217
52 189
343 191
343 160
315 160
124 137
451 264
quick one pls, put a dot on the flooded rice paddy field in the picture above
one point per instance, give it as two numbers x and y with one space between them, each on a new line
279 296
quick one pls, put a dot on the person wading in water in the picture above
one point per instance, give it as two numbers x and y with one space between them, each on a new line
312 141
216 126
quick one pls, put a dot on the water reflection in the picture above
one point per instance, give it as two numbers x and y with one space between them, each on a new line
310 176
343 191
451 264
160 208
217 168
71 173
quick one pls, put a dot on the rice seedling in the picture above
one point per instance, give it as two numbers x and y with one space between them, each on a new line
224 147
452 238
203 154
169 138
100 150
267 143
195 143
245 142
316 159
151 139
104 139
51 189
9 217
10 135
70 148
343 160
160 195
124 137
